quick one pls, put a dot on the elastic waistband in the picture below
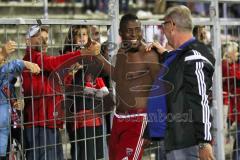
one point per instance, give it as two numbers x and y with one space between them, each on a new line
131 113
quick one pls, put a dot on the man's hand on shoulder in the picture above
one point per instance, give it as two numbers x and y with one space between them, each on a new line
155 45
205 151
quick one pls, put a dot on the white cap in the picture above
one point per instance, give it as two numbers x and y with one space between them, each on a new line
33 31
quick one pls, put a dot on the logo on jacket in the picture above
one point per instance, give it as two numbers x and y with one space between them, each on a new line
129 151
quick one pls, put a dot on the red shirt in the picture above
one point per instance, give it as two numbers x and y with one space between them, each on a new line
231 76
42 92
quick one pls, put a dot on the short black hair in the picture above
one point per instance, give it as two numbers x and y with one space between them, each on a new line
125 19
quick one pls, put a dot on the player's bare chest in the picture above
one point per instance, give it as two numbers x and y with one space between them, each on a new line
131 66
130 62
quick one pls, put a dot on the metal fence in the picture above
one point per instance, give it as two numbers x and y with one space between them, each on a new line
70 134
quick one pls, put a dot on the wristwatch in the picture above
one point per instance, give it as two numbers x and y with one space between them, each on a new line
202 145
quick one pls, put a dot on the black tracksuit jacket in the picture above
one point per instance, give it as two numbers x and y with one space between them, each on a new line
188 113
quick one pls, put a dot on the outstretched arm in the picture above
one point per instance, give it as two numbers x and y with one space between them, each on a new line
33 67
107 66
52 63
17 66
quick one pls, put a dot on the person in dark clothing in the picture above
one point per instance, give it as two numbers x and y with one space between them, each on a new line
191 67
84 127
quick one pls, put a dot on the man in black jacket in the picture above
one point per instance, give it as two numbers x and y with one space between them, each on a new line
191 67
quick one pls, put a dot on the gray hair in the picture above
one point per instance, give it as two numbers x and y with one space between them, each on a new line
181 16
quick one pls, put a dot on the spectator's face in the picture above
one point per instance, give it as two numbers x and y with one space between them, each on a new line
39 42
132 33
202 35
232 56
82 37
95 34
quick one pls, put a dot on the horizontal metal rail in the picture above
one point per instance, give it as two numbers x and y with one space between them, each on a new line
229 1
230 21
19 21
39 4
188 0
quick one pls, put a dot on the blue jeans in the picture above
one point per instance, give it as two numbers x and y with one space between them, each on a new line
37 149
4 128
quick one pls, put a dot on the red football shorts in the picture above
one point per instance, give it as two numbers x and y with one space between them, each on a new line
126 137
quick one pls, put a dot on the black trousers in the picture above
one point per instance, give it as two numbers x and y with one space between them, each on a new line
86 147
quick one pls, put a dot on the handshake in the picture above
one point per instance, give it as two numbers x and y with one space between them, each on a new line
94 49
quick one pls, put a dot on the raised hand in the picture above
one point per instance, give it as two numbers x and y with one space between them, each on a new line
9 47
33 67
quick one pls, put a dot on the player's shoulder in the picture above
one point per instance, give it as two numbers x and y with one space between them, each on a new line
152 54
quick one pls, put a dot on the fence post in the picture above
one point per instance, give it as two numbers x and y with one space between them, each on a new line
114 16
217 83
45 6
